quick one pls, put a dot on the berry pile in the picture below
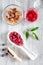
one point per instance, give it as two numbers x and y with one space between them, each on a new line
31 15
16 38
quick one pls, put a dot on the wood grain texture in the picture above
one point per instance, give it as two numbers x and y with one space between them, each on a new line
31 43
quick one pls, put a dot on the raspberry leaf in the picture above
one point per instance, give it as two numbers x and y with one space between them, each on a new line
27 34
35 28
35 36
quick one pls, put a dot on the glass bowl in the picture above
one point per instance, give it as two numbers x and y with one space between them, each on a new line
7 8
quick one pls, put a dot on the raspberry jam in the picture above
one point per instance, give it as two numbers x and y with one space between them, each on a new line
31 15
16 38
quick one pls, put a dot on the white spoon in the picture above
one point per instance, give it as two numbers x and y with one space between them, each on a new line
30 54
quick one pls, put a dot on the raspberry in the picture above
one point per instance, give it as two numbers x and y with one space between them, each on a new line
16 38
18 35
11 34
14 33
11 38
31 15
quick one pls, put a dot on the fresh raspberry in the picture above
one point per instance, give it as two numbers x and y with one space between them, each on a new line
16 38
31 15
11 38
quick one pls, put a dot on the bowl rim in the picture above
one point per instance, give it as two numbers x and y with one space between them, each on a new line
4 12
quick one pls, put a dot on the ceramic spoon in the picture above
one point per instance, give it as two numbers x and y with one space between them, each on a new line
30 54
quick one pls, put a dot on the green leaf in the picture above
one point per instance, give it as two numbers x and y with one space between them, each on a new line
27 34
35 36
35 28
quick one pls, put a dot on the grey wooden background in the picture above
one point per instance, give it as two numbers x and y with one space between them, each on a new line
36 46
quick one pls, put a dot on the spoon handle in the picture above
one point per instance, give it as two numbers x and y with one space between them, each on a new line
30 54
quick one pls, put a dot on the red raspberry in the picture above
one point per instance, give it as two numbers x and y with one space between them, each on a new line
16 38
31 15
14 33
18 35
11 34
11 38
